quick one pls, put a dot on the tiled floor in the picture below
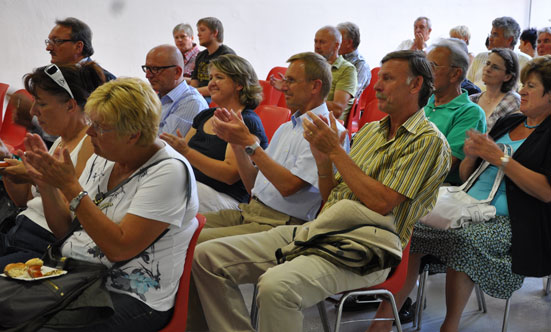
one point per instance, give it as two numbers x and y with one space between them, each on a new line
530 311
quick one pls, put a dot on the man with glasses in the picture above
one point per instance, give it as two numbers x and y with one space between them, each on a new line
164 66
70 42
450 108
505 34
283 179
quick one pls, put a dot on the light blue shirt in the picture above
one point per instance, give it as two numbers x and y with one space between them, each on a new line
179 107
481 188
289 148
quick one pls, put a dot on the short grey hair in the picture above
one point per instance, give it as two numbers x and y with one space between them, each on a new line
185 28
510 28
463 31
459 57
429 23
544 30
352 32
333 31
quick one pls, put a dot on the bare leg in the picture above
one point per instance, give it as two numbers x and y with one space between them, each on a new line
458 290
385 308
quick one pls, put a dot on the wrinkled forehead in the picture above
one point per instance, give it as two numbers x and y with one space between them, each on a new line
60 32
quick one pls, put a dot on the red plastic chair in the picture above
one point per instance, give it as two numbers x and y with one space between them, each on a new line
271 95
383 290
179 317
272 117
371 113
12 134
3 89
275 71
370 95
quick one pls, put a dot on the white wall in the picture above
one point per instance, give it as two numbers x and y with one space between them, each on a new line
266 32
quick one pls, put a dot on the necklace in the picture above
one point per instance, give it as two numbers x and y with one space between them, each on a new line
529 127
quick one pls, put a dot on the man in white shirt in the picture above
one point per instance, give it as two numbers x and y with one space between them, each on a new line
422 27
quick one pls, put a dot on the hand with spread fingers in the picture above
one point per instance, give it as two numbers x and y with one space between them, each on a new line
177 142
480 145
56 170
322 135
277 83
229 126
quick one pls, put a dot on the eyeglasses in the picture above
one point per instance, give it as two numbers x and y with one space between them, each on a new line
493 66
96 127
155 69
291 81
56 42
55 74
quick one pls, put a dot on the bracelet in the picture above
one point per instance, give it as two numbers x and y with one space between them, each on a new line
504 161
324 176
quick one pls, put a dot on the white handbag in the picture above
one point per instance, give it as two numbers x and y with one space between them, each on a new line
455 208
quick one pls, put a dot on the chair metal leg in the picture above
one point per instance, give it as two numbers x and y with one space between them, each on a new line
421 298
254 309
506 315
323 315
548 285
394 310
481 299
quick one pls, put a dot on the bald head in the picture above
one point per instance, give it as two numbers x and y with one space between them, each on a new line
327 42
166 67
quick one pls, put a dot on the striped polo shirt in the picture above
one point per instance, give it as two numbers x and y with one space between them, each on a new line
414 163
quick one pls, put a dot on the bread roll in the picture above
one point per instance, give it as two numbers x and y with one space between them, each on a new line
15 270
34 261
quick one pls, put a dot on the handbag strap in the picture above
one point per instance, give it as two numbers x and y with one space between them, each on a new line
75 224
507 150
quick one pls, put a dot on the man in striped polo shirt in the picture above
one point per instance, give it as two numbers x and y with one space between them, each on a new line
393 172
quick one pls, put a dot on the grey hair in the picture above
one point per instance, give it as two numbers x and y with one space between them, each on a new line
183 27
429 23
463 31
544 30
352 32
334 32
510 28
459 57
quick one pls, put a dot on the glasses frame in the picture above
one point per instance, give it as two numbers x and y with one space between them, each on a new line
57 42
97 128
155 69
57 76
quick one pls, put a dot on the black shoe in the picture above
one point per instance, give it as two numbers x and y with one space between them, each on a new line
407 312
360 302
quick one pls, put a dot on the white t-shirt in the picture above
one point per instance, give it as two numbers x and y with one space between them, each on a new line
159 194
35 210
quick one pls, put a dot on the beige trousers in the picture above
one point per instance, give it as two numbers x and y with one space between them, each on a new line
283 290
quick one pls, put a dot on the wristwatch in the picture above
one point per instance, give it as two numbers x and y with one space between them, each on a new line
504 161
249 149
76 201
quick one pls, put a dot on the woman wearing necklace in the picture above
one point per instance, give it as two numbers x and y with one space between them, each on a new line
234 86
60 93
500 76
136 201
499 253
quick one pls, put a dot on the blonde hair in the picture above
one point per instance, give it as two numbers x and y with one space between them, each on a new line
129 105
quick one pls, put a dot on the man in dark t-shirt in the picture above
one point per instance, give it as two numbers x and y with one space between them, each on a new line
211 35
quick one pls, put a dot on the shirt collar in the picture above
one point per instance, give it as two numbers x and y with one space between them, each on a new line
322 109
351 56
338 62
454 104
411 125
175 93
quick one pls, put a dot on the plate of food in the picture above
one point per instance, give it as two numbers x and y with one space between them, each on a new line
31 270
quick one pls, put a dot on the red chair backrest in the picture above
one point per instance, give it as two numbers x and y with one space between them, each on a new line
10 133
179 317
272 117
395 282
276 71
371 113
270 95
3 89
369 93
